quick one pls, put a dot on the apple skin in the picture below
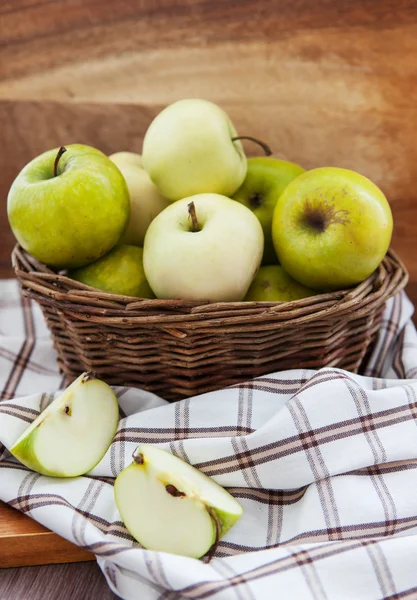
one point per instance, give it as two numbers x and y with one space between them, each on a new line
273 284
188 150
217 263
76 441
185 521
266 179
145 200
331 228
126 158
72 219
120 271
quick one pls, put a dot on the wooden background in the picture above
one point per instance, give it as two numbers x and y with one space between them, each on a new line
324 82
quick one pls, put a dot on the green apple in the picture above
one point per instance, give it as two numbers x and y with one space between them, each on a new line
206 247
127 158
273 284
265 180
120 271
189 149
331 228
73 433
68 207
145 200
169 506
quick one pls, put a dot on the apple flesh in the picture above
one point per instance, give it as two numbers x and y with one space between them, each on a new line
273 284
214 259
69 213
188 149
120 271
73 433
266 179
145 200
331 228
169 506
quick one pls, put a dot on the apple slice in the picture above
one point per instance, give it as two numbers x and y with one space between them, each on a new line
169 506
73 433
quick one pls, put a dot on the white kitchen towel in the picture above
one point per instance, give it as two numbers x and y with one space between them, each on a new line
323 462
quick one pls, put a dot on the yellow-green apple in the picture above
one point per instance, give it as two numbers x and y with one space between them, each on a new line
69 206
189 149
331 228
73 433
169 506
145 200
127 158
273 284
266 179
120 271
206 247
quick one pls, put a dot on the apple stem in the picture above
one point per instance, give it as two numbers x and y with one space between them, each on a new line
218 532
88 376
58 156
138 458
193 215
264 146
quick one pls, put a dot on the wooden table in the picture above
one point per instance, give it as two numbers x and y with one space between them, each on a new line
324 83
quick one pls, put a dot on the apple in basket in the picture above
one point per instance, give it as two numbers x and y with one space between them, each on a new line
206 247
145 200
331 228
190 148
69 206
169 506
120 271
265 180
273 284
73 433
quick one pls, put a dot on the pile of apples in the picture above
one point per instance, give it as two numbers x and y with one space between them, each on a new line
194 219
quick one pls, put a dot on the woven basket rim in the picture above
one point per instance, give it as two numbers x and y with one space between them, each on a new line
178 349
86 303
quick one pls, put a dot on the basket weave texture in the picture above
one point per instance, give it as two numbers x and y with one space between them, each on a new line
179 349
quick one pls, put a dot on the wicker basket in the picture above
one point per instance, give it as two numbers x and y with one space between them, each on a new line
178 348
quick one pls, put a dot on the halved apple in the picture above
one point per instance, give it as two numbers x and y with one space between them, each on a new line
73 433
169 506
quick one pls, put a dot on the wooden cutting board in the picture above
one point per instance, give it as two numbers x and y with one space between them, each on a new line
24 542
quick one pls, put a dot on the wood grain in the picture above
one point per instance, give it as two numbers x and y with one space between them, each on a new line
325 82
25 542
66 582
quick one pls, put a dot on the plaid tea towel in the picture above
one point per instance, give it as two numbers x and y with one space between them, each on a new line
323 462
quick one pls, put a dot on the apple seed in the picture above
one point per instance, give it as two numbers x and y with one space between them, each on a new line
173 491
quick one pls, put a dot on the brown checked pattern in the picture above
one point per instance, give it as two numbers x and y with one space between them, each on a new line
324 464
